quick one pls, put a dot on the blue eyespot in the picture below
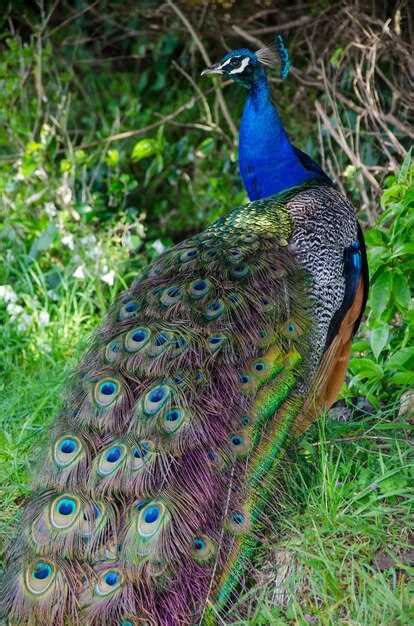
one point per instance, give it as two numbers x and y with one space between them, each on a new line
259 367
151 514
157 394
68 446
113 455
199 544
42 570
173 415
237 517
244 379
111 578
291 328
139 335
214 340
199 285
131 307
66 506
108 388
236 440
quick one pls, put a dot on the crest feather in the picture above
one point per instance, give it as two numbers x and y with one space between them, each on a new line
271 56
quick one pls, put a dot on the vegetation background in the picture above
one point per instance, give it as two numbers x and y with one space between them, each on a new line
112 148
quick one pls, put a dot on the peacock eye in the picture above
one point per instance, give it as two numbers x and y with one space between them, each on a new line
234 62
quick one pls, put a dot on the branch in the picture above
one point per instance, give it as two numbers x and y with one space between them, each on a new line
207 60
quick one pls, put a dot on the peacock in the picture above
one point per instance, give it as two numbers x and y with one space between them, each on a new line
159 479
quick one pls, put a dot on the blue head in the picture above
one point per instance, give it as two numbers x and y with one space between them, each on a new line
246 67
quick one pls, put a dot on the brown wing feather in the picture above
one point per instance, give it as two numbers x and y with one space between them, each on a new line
332 370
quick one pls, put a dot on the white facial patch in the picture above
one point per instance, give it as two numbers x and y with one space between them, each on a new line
245 62
228 61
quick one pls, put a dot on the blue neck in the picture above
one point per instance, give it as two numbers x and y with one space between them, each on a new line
268 161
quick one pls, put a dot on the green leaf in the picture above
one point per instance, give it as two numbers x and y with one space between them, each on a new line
378 339
404 169
44 241
112 158
381 293
401 291
400 358
366 368
144 148
402 378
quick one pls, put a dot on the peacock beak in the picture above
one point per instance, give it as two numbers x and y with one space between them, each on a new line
214 69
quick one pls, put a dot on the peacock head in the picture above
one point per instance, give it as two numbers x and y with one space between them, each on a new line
246 67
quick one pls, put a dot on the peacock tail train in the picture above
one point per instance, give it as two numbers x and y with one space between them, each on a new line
159 478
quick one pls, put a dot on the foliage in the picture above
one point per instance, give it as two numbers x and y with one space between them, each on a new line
81 215
383 361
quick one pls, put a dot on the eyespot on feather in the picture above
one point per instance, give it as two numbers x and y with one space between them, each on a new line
191 254
113 350
171 295
291 329
151 519
237 522
106 391
64 511
109 582
260 368
203 548
129 310
137 338
156 398
239 445
172 420
67 450
214 310
111 459
240 271
199 288
215 342
39 577
161 341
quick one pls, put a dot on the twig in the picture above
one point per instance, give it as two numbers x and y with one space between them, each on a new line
206 58
341 142
304 19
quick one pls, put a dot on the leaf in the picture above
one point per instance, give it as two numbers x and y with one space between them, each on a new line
378 339
366 368
400 358
43 242
381 293
401 291
404 169
144 148
405 248
402 378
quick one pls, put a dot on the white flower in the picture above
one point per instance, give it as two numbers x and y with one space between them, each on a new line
64 193
24 321
79 272
44 318
108 278
158 246
7 293
41 173
68 241
140 228
14 310
53 295
50 209
88 240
